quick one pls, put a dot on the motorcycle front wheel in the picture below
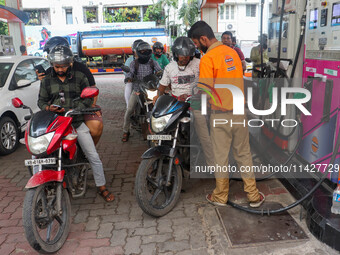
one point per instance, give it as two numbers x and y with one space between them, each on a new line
45 229
154 197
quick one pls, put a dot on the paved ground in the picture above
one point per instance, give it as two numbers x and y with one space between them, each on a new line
121 227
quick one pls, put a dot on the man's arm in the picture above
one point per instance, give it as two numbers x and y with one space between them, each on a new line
127 63
157 66
163 84
44 97
132 71
254 55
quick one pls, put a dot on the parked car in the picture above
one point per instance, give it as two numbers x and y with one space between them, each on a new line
17 79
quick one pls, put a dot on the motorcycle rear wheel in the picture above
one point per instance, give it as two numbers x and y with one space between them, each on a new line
153 196
45 231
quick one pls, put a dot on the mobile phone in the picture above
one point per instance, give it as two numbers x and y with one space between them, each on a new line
55 105
40 69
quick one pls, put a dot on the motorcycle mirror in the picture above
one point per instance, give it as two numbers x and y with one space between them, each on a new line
17 103
126 69
89 92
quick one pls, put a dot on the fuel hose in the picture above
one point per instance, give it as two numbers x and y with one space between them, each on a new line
283 209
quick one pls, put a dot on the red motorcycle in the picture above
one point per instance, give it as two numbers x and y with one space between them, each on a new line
59 170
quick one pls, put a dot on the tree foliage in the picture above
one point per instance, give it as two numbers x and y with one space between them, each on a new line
155 13
189 13
3 25
126 14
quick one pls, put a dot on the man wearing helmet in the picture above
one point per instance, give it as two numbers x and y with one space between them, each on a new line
128 86
139 68
158 50
93 122
182 74
57 91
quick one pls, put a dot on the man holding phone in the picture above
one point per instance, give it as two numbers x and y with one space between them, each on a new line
93 121
57 92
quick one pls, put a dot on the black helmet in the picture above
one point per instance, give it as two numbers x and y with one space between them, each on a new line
60 55
158 45
183 46
135 44
143 57
55 41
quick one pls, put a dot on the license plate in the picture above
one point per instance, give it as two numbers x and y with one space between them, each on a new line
160 137
40 161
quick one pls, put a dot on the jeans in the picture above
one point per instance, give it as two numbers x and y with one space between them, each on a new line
86 143
131 107
127 92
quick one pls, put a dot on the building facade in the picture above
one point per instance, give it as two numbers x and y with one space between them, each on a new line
243 17
80 12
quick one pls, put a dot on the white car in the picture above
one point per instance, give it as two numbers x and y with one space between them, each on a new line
17 79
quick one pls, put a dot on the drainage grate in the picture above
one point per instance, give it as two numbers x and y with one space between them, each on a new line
245 229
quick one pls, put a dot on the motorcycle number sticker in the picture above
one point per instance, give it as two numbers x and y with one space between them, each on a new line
159 137
40 161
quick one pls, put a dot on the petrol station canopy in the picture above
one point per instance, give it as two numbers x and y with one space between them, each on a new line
13 15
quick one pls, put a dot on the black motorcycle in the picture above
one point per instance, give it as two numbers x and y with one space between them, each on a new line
159 177
148 88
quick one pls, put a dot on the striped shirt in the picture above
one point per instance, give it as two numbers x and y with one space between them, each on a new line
143 70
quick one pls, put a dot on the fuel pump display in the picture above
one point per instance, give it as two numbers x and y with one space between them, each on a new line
321 73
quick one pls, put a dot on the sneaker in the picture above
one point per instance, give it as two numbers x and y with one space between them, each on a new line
208 198
258 203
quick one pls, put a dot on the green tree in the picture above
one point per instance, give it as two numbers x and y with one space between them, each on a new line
3 25
189 13
155 13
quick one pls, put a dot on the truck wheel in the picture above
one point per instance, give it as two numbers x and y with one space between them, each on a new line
9 136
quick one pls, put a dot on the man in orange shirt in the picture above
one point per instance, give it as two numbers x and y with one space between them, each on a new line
222 65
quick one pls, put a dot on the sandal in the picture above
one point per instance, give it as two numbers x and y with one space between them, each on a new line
106 195
126 137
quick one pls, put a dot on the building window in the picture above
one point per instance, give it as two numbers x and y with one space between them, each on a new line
251 10
39 17
69 17
90 15
222 7
227 12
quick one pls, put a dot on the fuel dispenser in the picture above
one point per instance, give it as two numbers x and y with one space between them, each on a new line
285 52
321 73
315 65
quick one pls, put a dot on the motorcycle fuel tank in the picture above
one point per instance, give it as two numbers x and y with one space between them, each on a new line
166 105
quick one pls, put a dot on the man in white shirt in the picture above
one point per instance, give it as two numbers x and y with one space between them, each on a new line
182 75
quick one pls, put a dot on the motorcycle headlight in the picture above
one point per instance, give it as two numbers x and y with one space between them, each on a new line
158 124
151 94
38 145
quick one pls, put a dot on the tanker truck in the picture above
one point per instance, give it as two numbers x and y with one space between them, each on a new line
107 50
